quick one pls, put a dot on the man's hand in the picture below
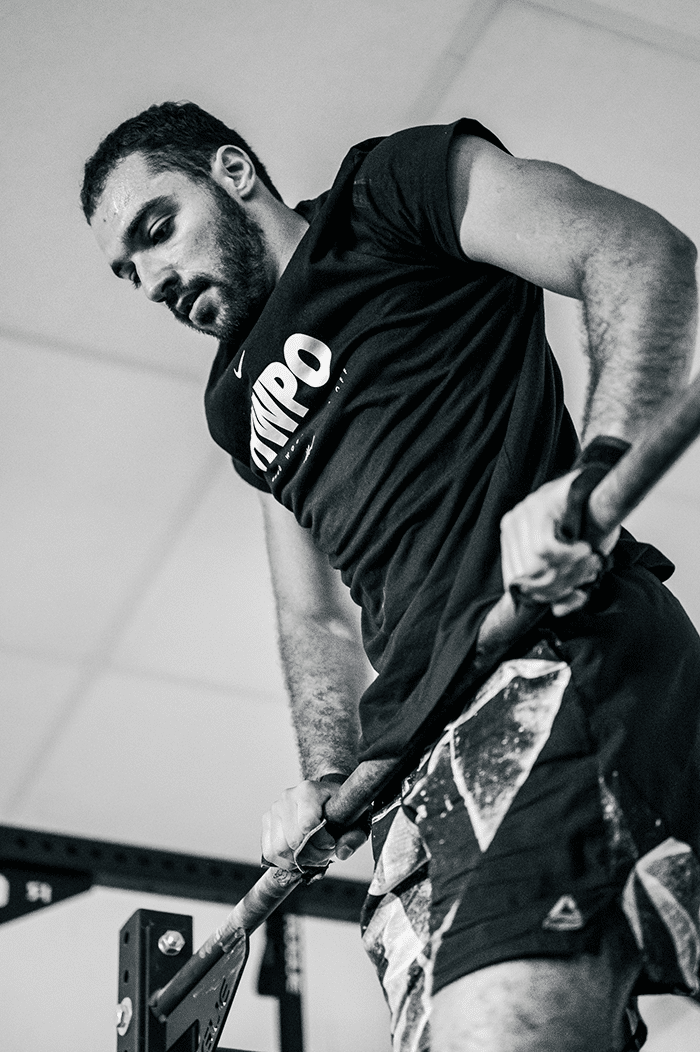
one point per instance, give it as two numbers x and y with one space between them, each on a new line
290 820
534 558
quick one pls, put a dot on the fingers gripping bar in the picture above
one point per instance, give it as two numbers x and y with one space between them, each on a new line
663 441
343 810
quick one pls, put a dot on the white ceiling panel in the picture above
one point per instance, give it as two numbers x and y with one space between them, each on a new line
209 615
181 759
97 463
33 696
160 763
673 27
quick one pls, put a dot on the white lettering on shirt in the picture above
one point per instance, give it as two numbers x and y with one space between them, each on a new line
313 376
275 412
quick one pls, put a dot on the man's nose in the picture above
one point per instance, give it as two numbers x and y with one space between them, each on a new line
156 279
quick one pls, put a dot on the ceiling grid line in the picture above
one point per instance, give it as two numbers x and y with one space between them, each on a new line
87 354
450 63
194 682
639 30
473 26
124 668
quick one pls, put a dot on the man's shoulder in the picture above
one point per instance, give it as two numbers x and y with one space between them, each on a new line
397 155
309 209
420 140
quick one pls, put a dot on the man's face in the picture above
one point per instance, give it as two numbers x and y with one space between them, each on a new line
185 243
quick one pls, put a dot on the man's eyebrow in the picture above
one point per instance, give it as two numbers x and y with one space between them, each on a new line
129 236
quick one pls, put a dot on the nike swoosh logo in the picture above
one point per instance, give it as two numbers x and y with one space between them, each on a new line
237 371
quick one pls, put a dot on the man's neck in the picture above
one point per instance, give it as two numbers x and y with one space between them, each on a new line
283 228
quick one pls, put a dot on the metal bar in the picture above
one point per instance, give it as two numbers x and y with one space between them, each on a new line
134 868
665 440
266 894
25 889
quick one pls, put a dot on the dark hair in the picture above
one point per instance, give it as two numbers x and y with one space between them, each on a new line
173 135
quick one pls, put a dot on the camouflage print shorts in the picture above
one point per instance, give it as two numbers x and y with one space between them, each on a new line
510 841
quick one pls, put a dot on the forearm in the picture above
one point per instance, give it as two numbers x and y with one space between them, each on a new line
320 643
640 304
325 669
326 673
640 310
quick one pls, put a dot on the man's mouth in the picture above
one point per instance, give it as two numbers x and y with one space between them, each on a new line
184 305
201 306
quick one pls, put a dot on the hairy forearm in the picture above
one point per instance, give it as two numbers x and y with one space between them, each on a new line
326 673
640 310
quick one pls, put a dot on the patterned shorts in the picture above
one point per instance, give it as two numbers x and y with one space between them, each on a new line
514 838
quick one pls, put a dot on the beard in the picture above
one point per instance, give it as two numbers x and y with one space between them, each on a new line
245 274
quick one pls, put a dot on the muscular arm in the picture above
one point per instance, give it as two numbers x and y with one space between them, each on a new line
634 274
326 672
319 635
633 271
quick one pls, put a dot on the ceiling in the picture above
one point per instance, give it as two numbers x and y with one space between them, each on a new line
141 694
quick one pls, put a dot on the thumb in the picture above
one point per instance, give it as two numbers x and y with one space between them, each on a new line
348 843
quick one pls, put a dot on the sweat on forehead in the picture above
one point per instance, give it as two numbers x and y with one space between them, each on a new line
130 182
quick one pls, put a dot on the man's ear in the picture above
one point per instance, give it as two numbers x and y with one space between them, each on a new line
233 170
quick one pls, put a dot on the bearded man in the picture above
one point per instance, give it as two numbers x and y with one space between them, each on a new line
384 380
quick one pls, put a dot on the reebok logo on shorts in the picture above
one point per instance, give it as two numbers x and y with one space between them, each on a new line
564 916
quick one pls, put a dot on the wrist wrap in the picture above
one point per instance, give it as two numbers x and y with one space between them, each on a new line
334 776
364 822
595 460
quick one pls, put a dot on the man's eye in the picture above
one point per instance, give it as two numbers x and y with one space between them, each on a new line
160 231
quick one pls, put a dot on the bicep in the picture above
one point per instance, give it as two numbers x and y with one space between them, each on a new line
307 588
542 221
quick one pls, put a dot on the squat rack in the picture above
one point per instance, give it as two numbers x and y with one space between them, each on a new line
38 869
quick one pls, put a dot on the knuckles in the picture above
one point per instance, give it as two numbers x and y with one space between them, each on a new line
297 811
542 565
